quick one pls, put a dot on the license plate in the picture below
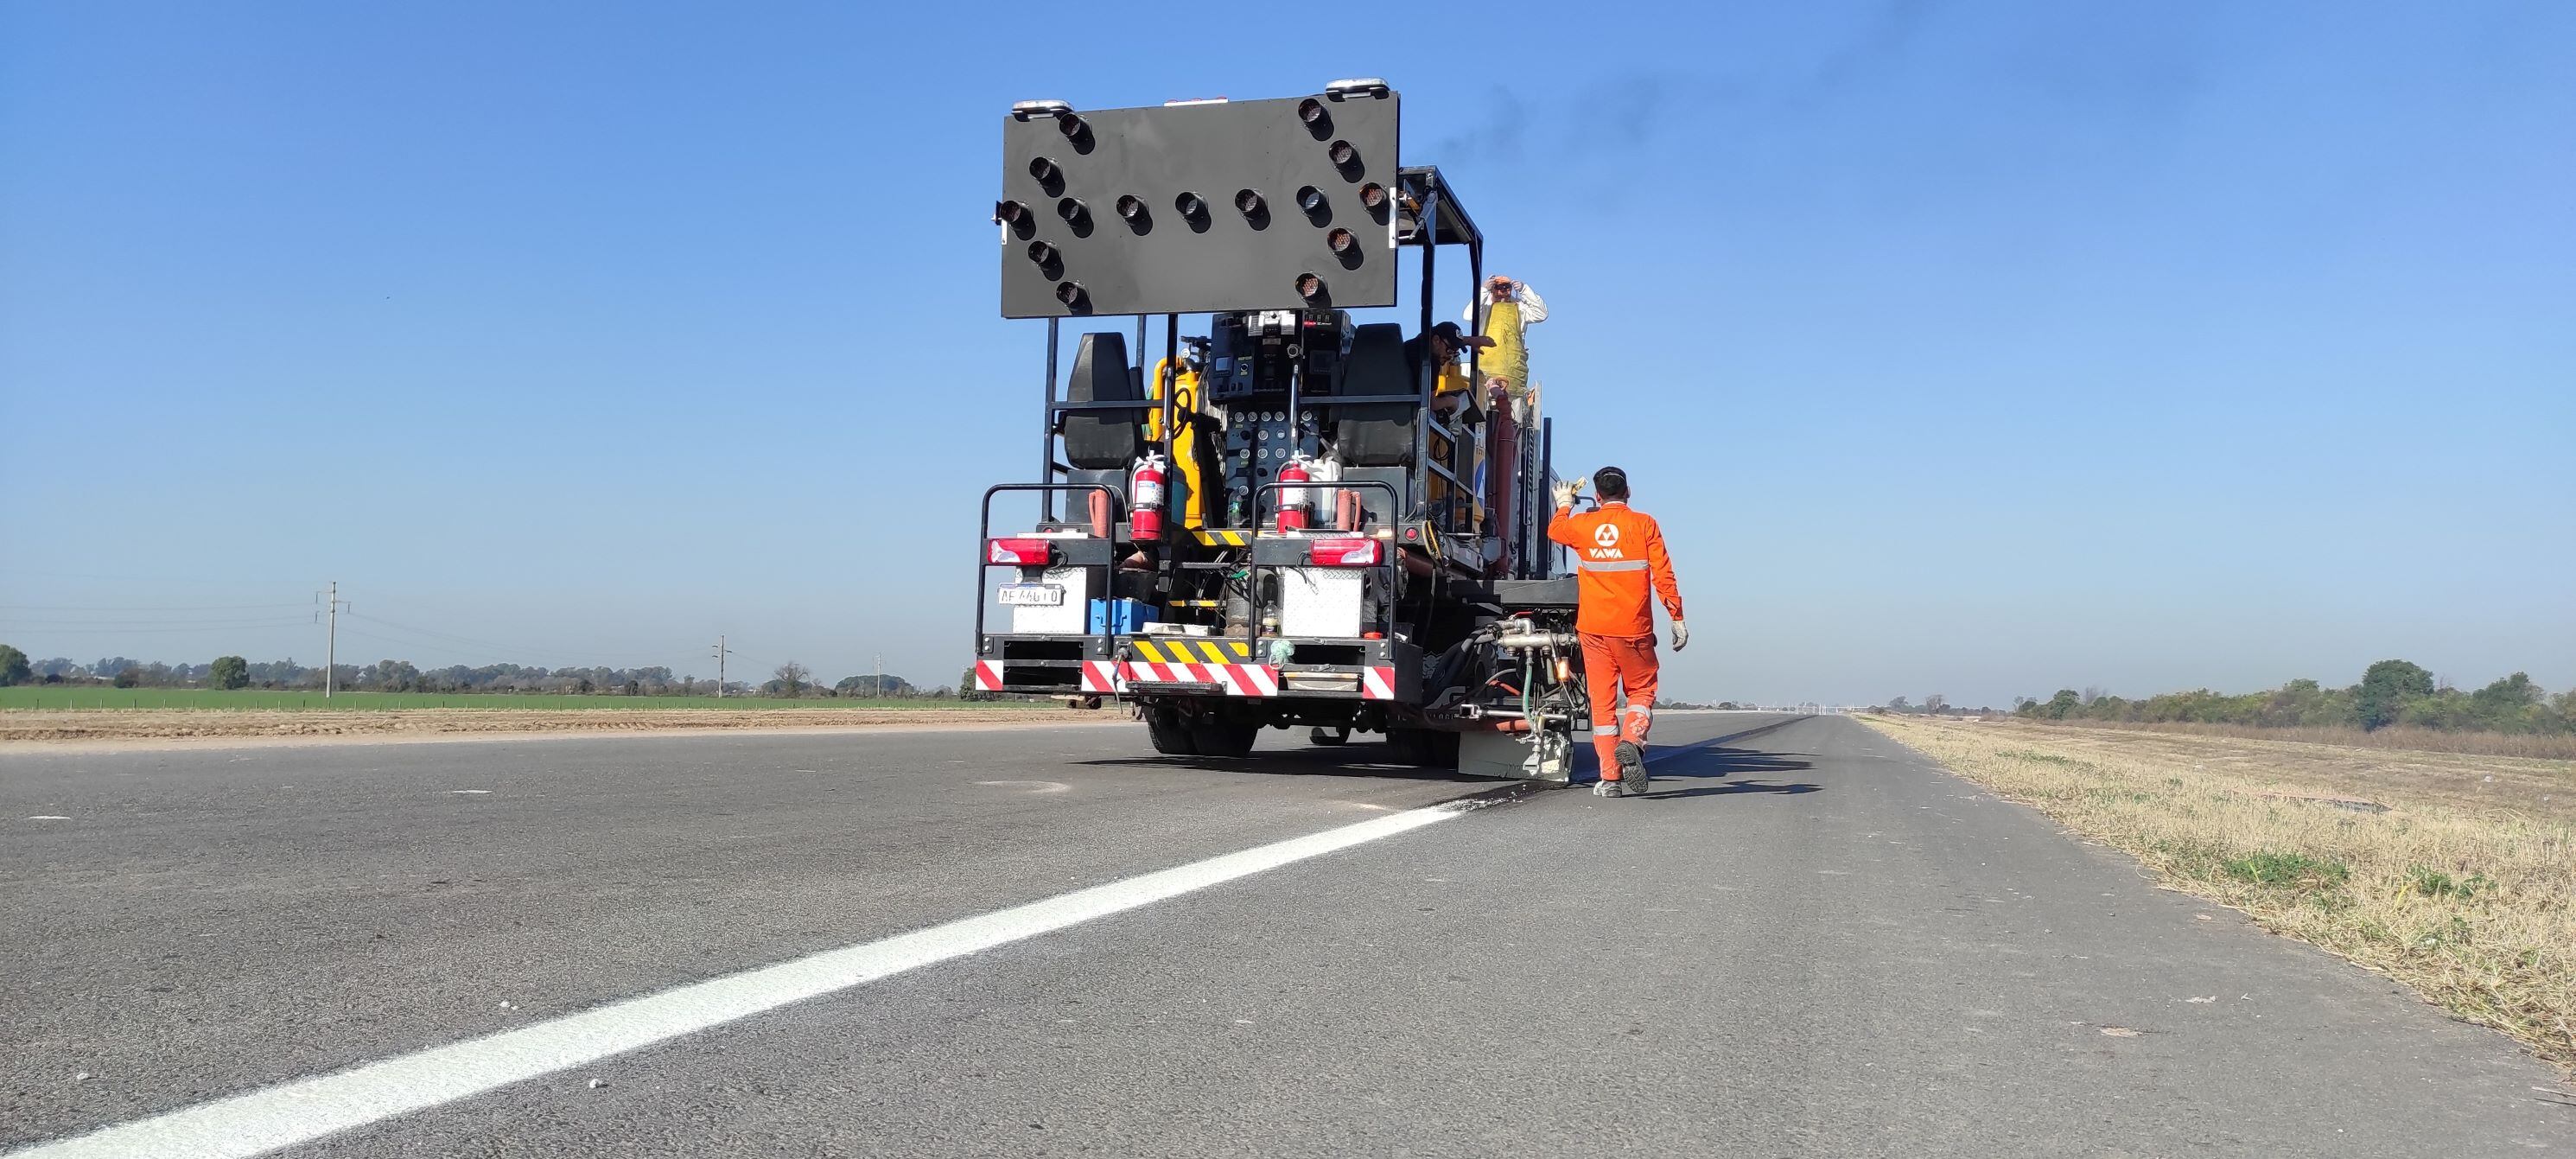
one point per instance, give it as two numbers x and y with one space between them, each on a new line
1033 595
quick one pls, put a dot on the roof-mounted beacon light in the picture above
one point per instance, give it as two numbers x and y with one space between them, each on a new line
1023 110
1363 86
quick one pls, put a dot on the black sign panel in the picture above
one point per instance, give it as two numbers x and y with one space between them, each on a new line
1186 209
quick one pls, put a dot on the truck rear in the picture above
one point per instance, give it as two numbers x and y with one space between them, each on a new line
1284 520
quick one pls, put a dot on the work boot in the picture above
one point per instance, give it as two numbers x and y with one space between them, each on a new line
1606 787
1632 767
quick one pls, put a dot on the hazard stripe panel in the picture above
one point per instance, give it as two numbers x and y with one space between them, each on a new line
1192 651
1100 677
988 676
1377 683
1221 538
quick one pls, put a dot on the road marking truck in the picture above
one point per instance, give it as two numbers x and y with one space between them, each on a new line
1281 519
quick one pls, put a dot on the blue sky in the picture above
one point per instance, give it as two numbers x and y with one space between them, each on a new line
1972 348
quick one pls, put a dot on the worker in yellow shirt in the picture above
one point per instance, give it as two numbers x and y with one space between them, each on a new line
1442 345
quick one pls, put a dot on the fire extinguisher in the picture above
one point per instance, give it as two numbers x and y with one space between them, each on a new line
1293 498
1145 498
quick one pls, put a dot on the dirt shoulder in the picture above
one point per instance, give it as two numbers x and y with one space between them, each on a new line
25 730
2454 874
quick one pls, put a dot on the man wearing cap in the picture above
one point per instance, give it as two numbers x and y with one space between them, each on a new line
1441 345
1623 569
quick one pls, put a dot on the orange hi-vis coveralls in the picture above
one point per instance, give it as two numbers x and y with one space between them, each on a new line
1620 559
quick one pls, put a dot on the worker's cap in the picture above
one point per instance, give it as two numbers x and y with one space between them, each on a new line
1450 333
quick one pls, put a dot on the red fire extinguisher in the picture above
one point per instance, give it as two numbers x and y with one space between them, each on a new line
1293 499
1145 499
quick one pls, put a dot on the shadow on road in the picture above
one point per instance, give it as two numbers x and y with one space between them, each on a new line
1718 764
1354 760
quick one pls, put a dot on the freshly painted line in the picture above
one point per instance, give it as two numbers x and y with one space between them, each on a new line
49 818
308 1109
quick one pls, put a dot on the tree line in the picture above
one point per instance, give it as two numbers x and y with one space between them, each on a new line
791 680
2391 692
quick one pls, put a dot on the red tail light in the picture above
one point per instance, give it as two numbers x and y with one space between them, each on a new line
1345 552
1024 552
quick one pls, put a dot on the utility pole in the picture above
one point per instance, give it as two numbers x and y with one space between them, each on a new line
331 641
879 686
720 658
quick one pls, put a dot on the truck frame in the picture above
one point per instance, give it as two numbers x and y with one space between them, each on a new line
1336 545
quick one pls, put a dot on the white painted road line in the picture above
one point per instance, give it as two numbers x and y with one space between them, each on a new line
308 1109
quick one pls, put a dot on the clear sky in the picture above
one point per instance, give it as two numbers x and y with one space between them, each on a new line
1977 348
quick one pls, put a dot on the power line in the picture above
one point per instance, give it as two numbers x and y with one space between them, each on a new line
148 608
462 639
91 629
109 625
446 640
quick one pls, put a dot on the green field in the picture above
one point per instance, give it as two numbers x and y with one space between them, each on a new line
59 698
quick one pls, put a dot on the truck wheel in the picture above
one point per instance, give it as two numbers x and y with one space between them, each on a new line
1217 737
1170 731
1329 736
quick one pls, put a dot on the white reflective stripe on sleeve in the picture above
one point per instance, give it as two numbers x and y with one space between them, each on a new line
1638 710
1612 565
1605 730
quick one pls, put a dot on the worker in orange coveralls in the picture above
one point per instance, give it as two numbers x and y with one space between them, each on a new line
1619 557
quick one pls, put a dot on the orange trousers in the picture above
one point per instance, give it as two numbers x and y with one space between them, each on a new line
1612 664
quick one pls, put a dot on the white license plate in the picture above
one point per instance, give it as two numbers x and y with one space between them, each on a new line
1033 595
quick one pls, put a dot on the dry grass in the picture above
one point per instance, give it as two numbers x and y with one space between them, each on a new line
2464 887
2492 744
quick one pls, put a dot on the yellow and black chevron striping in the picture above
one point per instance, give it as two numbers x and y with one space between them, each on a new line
1218 537
1171 651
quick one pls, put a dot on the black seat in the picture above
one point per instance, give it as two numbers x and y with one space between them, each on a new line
1378 434
1103 440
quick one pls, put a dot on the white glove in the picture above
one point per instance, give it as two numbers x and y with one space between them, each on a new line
1566 489
1681 635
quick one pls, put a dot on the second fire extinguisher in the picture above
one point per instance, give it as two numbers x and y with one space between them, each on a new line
1145 498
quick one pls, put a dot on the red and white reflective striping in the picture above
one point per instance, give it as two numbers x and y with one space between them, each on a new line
1099 677
1377 683
1236 679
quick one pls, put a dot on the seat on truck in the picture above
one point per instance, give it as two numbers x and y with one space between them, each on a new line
1378 434
1100 446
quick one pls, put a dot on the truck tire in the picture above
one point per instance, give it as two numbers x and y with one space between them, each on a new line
1170 731
1218 737
1329 736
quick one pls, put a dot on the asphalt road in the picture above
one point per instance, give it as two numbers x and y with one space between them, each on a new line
1810 942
